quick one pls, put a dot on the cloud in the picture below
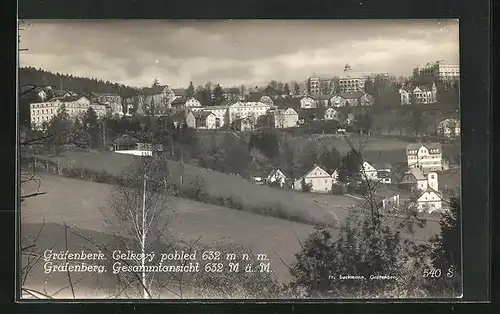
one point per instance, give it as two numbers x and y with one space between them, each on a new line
239 51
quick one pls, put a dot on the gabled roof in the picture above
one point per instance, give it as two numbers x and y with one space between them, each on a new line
273 172
417 173
69 98
126 139
256 96
178 101
155 90
105 94
416 146
322 97
352 95
382 166
430 190
202 114
180 91
315 168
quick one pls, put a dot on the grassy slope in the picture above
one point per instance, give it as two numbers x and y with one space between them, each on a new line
310 206
80 203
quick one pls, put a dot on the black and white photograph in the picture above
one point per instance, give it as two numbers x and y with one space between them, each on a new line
239 159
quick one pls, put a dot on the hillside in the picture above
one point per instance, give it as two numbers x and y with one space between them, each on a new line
308 206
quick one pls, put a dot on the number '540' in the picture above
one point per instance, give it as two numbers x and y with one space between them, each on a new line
437 273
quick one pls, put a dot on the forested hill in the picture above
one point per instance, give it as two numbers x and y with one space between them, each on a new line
39 77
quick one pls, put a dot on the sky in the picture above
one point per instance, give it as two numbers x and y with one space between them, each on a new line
234 52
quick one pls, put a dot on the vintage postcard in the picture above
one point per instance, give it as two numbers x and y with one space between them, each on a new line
239 159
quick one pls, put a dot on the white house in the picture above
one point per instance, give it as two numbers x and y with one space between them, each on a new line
390 202
205 120
320 181
429 201
405 96
307 102
220 112
368 172
426 157
193 103
414 179
448 128
267 100
332 114
276 177
250 110
283 119
75 106
337 101
424 95
384 172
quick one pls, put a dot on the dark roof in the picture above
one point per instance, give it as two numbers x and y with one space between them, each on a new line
381 166
180 91
256 96
322 97
105 94
413 146
59 93
178 101
181 116
202 114
155 90
126 139
351 95
69 98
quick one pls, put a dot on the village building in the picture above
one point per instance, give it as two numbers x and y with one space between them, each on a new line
430 201
319 180
427 157
284 118
307 102
384 173
368 172
243 124
332 114
75 106
205 120
448 128
276 177
132 145
249 110
415 180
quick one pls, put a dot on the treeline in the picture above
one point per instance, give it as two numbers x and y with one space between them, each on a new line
68 82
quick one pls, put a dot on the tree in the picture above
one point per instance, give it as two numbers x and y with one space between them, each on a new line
446 251
286 90
351 165
190 90
273 84
417 120
91 126
331 160
296 89
156 82
59 127
140 210
305 187
218 95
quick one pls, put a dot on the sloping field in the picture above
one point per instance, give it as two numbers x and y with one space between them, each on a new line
78 203
305 205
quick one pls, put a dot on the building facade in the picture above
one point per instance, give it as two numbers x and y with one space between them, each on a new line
319 180
437 72
426 157
75 106
250 110
205 120
307 102
284 118
332 114
351 84
448 128
430 201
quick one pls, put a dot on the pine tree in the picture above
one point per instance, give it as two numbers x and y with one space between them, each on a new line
190 90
